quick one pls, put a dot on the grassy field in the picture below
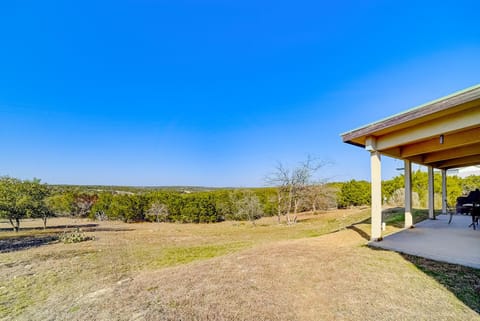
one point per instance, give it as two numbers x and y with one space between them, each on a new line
318 269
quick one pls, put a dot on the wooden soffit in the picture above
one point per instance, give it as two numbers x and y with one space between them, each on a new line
444 133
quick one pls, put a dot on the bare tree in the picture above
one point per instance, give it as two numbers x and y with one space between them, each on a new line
159 211
246 206
319 196
293 186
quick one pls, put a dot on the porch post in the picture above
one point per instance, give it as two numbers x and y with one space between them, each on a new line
408 194
431 205
444 191
376 179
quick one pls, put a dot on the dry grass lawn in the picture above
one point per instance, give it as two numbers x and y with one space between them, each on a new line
315 270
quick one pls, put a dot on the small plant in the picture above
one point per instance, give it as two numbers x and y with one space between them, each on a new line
101 216
75 236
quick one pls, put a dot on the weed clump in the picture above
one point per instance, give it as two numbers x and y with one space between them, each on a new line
75 236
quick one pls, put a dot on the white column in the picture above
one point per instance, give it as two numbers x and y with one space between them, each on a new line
431 205
408 194
444 191
376 179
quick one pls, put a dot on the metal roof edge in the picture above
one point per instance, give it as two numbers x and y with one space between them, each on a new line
457 93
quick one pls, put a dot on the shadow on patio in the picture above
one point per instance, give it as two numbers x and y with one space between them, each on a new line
437 240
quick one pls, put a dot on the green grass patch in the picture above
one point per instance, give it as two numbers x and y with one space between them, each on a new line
396 216
183 255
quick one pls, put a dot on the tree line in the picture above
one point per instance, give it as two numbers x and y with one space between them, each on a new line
295 190
355 193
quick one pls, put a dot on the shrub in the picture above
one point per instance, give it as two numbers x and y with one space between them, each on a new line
75 236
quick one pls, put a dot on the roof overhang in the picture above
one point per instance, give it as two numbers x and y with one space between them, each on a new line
444 133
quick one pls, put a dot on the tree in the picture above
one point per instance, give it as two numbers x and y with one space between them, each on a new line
72 202
470 183
59 204
320 196
246 206
354 193
128 208
82 203
158 212
101 209
38 195
292 185
21 199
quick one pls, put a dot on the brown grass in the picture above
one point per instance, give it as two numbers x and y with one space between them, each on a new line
226 271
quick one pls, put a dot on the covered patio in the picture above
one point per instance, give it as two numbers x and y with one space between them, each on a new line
438 240
443 134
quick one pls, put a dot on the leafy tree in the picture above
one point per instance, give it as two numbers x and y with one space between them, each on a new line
389 187
199 208
267 197
470 183
101 209
21 199
223 204
454 189
354 193
38 195
59 204
128 208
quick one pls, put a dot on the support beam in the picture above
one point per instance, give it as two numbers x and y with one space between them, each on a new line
459 152
454 140
444 191
459 162
431 129
376 179
431 201
408 194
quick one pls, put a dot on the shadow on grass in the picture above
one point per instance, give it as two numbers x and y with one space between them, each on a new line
84 227
462 281
52 227
392 216
361 232
19 243
106 229
38 236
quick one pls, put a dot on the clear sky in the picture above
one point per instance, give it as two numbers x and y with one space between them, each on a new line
215 93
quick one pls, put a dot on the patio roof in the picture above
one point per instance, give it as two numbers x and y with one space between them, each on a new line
443 134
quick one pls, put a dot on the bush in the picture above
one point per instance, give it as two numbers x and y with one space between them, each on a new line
354 193
75 236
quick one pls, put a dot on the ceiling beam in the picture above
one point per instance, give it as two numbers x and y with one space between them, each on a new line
463 138
392 152
453 153
458 162
440 126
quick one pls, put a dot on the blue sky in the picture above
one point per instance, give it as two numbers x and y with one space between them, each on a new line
216 92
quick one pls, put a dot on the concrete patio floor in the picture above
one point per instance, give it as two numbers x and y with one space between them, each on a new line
437 240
